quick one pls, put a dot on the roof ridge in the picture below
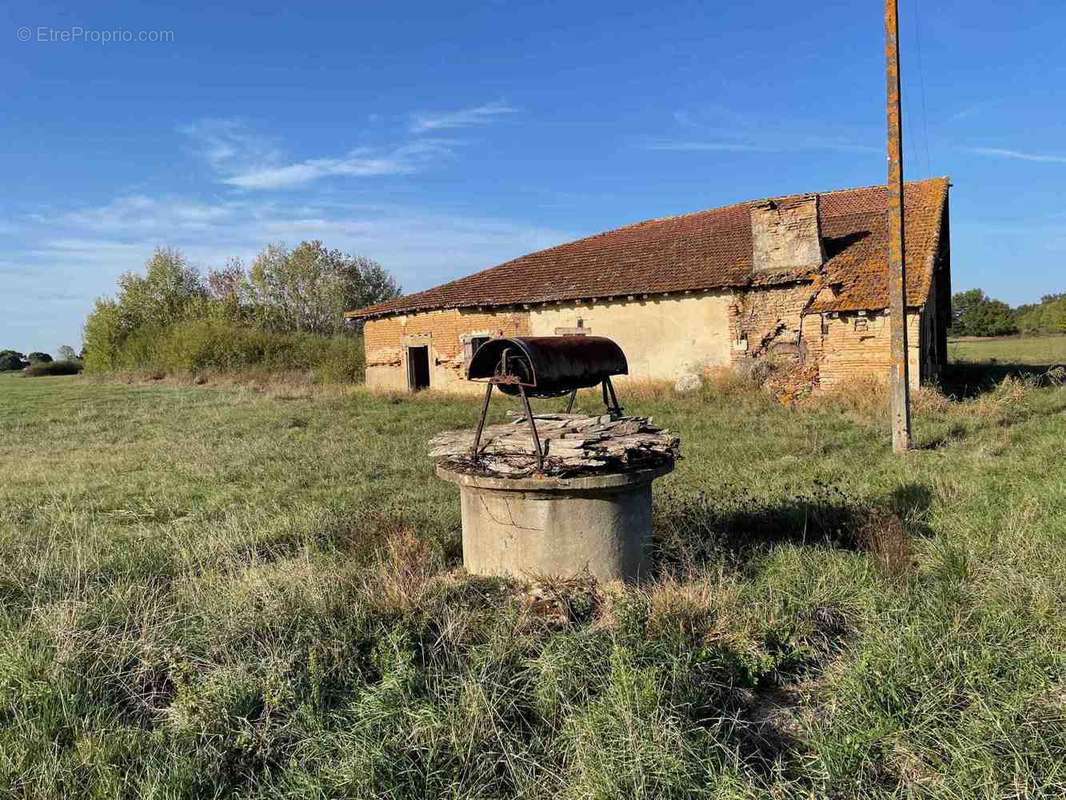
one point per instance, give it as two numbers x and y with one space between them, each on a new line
727 207
640 257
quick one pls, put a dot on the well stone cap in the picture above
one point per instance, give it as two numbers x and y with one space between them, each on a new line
554 483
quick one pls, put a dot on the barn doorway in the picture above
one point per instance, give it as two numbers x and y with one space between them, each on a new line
418 368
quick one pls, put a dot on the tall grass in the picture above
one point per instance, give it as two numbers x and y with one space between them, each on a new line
219 345
218 592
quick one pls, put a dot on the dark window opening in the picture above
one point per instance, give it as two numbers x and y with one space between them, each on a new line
470 346
418 368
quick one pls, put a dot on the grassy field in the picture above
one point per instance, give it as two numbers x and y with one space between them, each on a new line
1034 350
215 591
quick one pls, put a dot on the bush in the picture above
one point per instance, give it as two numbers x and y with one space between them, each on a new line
286 314
226 345
42 368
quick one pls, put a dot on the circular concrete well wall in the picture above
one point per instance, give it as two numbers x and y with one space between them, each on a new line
557 526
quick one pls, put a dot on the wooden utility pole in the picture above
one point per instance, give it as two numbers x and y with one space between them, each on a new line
899 378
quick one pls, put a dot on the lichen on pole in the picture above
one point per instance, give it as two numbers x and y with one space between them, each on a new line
899 377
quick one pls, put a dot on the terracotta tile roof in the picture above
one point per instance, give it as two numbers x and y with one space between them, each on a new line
708 250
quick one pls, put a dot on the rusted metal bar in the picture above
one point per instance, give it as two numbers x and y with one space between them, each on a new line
532 428
570 402
899 378
481 422
613 408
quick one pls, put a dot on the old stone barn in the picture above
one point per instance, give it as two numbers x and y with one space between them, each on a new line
799 279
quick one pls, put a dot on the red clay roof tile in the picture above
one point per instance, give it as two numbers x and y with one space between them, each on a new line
707 250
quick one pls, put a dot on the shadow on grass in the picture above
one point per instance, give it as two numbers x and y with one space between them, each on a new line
763 720
966 380
697 529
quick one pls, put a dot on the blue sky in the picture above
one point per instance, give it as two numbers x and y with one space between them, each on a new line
440 138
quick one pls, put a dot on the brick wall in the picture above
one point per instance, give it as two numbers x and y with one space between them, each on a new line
768 321
442 331
785 235
762 322
855 346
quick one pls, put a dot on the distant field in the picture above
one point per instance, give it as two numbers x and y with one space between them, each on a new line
221 592
1037 350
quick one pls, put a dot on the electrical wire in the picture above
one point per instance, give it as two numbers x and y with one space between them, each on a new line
921 83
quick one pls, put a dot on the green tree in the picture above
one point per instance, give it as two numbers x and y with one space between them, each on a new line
119 332
169 317
39 358
973 313
103 336
1048 316
11 360
310 287
163 295
66 353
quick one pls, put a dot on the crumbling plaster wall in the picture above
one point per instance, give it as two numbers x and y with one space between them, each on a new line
832 349
666 337
662 337
386 341
768 321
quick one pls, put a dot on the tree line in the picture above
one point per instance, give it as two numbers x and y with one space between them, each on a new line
973 313
283 312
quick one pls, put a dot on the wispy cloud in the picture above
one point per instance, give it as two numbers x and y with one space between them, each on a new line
141 213
228 144
461 118
716 129
1018 155
767 144
86 248
968 111
246 160
359 163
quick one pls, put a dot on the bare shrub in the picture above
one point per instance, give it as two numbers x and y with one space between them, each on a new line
929 400
885 537
694 608
407 565
564 601
758 371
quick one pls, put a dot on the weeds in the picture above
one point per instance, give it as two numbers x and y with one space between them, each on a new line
218 590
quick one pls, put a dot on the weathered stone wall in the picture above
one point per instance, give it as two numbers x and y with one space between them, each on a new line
768 321
386 341
854 345
785 235
664 338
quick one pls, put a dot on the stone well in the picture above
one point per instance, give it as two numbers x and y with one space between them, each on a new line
559 526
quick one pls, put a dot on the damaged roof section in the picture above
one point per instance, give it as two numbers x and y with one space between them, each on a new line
714 249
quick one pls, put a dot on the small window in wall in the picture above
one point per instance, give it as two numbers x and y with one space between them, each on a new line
471 345
418 368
